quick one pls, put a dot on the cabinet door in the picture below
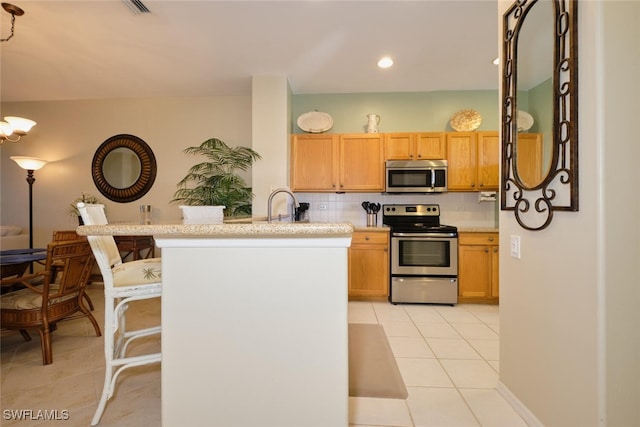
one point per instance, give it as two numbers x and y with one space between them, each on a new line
314 162
462 158
495 271
361 162
474 271
488 160
369 265
478 269
530 165
399 146
430 145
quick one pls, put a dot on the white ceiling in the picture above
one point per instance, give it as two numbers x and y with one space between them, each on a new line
99 49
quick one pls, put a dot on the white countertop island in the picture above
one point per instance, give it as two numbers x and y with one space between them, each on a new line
254 322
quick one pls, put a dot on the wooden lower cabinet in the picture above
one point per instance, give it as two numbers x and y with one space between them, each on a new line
478 268
369 264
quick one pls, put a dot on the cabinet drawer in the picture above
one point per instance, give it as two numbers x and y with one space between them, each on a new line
365 238
478 239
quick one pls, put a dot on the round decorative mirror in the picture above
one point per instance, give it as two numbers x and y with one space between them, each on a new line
123 168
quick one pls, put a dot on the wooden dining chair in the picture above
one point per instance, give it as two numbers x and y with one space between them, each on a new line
60 296
65 235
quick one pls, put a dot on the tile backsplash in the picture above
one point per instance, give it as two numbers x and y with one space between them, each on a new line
459 209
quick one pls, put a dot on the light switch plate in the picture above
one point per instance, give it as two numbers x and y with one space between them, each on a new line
515 246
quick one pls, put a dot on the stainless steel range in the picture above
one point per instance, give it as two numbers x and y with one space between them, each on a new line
424 255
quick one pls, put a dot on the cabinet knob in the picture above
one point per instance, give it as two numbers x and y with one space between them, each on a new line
386 249
473 185
367 238
495 250
486 250
491 239
481 185
419 156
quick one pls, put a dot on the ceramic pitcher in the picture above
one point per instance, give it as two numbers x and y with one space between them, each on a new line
372 124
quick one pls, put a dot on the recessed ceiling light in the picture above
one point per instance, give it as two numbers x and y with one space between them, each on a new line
385 62
496 61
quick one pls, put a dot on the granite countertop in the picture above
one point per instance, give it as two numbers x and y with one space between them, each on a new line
258 229
478 230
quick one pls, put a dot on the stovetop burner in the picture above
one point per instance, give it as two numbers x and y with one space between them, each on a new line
423 228
415 219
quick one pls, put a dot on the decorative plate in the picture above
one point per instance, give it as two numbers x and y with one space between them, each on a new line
465 120
315 122
525 121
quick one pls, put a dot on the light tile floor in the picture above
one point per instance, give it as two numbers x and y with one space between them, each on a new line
448 357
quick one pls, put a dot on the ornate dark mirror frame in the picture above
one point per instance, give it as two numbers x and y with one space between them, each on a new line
147 168
558 190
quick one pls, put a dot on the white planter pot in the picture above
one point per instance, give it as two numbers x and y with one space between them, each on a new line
202 214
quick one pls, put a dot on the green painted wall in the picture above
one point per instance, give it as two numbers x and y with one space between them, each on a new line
399 112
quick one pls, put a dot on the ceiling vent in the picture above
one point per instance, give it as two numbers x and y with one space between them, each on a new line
136 6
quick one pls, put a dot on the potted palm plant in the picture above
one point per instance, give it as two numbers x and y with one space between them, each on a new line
215 182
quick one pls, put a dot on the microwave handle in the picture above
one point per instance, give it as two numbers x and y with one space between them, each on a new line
433 178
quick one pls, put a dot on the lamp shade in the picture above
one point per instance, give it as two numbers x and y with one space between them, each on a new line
19 125
29 163
5 130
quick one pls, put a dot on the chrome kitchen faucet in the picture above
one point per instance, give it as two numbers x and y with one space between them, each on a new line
270 201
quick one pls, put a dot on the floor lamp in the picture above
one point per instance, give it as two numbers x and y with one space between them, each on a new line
31 164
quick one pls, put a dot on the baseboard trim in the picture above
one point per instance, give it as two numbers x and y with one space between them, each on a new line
518 406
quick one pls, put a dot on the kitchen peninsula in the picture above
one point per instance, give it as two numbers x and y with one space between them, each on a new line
254 322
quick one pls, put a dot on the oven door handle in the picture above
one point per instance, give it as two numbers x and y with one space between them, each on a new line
424 235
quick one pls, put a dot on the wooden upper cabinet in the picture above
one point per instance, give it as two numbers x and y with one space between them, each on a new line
530 158
431 146
399 146
414 146
462 156
337 162
356 162
473 161
488 161
361 162
314 165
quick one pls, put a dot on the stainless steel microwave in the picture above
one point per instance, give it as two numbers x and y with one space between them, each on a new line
416 176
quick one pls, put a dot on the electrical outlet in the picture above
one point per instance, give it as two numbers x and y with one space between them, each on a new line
322 206
515 246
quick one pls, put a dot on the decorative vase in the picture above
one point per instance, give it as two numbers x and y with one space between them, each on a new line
373 121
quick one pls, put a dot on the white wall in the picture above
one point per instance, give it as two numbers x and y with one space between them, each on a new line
271 118
568 309
69 132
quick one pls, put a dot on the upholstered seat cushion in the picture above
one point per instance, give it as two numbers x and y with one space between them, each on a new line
140 272
26 299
